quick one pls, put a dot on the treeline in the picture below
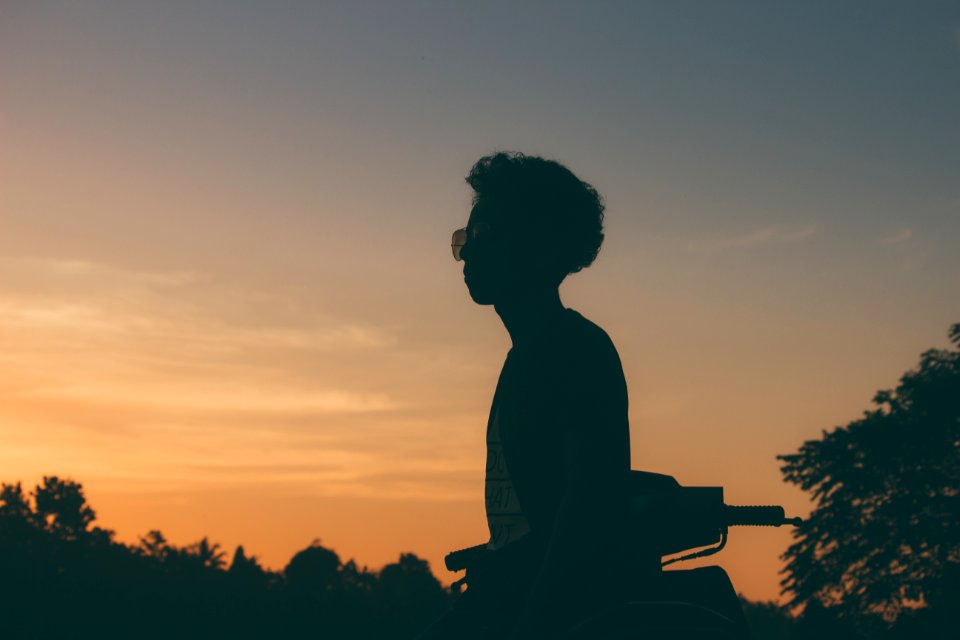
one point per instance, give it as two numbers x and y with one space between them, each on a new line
61 576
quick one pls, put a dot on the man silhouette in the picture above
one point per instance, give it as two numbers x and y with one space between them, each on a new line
558 444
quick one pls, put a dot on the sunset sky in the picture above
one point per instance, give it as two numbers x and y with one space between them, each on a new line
227 301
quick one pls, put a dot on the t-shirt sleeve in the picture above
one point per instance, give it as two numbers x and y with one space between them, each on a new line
596 395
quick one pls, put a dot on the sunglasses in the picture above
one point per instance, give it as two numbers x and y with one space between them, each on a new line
460 237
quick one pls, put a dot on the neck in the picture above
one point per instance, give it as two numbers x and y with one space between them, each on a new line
526 317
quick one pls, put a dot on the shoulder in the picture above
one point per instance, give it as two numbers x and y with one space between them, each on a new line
585 340
576 349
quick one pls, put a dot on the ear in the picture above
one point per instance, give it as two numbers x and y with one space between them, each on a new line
548 266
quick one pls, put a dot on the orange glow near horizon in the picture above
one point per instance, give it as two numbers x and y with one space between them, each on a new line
176 418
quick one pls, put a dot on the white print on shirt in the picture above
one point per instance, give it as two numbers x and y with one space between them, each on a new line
504 517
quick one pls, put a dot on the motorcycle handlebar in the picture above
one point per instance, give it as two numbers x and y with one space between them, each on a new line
757 516
680 518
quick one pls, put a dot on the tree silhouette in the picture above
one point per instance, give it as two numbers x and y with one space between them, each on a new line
18 535
208 554
407 593
881 540
154 545
62 508
314 571
14 503
356 579
246 573
768 620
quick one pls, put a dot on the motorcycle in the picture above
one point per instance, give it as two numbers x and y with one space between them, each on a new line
666 519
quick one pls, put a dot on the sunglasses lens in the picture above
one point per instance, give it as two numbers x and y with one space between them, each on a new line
459 239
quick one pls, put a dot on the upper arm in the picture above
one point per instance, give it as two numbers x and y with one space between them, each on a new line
596 434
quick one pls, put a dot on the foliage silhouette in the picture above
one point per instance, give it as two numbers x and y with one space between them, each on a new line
60 576
408 593
881 544
768 620
85 584
62 508
246 573
313 571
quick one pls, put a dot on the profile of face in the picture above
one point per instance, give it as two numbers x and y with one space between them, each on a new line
497 266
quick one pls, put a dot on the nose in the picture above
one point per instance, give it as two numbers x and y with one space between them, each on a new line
466 251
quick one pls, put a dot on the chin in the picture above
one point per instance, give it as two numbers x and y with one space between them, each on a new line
479 295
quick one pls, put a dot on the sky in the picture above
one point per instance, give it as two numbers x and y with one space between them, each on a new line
228 305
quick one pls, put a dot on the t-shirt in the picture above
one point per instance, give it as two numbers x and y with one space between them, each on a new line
567 379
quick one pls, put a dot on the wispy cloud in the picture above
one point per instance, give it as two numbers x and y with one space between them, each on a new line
160 379
896 238
752 239
104 272
87 297
41 315
213 396
88 320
